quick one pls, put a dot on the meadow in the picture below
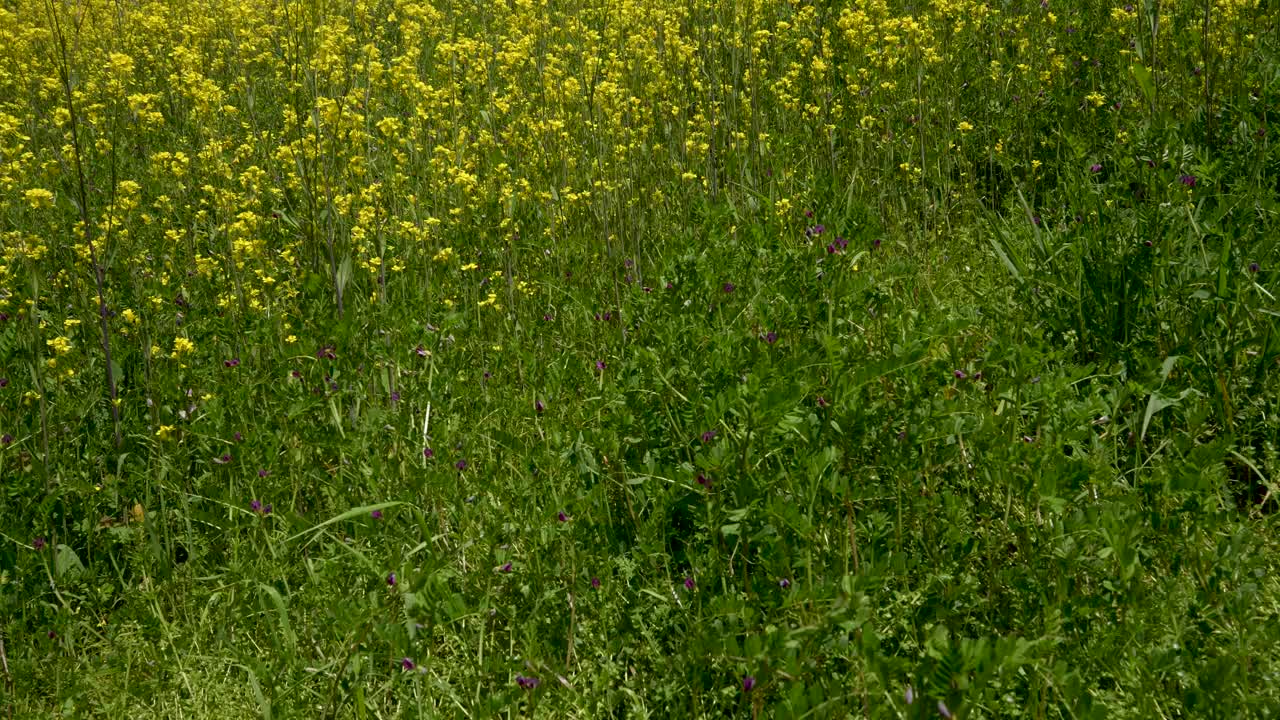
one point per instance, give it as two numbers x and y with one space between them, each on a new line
639 359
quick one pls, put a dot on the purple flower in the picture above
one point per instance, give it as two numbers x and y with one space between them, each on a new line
238 437
376 514
1035 219
328 352
876 245
4 382
1253 268
267 510
748 682
538 407
421 351
688 582
226 458
600 366
909 695
461 465
395 396
729 287
6 439
256 506
391 580
263 472
703 480
595 583
233 362
1188 180
528 683
1095 168
505 568
959 374
784 583
295 374
428 453
562 517
822 402
708 436
771 337
406 664
38 543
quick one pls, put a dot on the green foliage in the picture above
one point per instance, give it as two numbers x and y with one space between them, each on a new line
1011 450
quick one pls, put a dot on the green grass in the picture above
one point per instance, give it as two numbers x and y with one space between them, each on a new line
956 393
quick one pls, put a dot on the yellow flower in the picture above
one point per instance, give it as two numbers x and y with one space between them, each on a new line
470 266
964 126
165 432
60 345
129 316
39 198
182 346
444 255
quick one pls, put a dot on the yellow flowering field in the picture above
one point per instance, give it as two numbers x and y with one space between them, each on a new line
639 358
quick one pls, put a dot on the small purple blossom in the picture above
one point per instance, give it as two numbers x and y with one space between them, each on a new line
428 453
6 439
528 683
703 480
748 682
822 402
4 382
267 510
327 352
238 437
391 580
562 517
960 375
38 543
406 664
600 366
1253 268
708 436
771 337
784 583
233 362
1095 168
263 472
376 514
461 465
1188 180
688 582
505 568
729 287
595 583
538 407
395 396
256 506
909 695
421 351
224 459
